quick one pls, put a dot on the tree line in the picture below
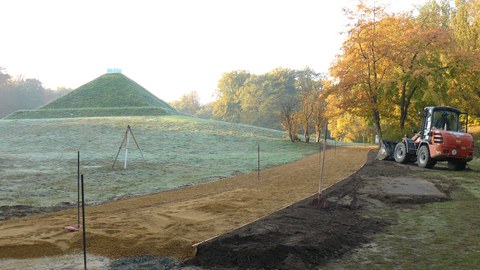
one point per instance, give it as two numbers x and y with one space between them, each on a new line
390 66
18 93
280 99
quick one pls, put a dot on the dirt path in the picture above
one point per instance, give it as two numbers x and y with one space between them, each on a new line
168 223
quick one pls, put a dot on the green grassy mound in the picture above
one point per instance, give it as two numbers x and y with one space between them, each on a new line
111 94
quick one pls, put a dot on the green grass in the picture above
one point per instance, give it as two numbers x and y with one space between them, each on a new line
443 235
87 112
39 157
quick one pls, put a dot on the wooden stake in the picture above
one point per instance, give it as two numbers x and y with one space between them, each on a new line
323 161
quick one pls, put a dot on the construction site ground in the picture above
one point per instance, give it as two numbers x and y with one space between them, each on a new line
313 233
385 215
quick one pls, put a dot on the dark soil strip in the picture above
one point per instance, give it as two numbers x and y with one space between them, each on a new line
305 235
18 211
302 236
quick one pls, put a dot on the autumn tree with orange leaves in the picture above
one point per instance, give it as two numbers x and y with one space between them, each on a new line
392 65
360 73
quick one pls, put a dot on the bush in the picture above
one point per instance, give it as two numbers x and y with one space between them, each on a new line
394 133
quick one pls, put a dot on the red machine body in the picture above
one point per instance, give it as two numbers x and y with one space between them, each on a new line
443 137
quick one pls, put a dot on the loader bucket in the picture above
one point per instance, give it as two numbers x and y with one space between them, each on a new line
386 150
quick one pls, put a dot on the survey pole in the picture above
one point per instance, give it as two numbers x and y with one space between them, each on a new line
126 150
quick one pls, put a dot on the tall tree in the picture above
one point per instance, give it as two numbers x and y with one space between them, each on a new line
228 104
289 122
319 114
417 55
466 24
361 70
309 87
282 98
253 96
465 77
18 93
188 103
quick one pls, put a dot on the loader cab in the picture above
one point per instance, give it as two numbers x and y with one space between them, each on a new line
441 118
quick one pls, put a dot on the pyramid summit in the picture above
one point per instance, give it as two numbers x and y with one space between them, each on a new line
111 90
112 94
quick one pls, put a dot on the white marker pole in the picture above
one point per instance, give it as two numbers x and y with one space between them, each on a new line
126 153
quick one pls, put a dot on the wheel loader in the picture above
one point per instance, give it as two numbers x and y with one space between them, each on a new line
443 137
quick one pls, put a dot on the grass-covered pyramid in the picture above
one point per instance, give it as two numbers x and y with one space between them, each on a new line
112 94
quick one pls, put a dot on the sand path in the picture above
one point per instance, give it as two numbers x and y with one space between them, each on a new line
168 223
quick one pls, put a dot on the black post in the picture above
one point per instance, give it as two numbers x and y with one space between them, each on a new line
78 189
84 230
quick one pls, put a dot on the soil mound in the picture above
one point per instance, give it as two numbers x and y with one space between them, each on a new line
303 236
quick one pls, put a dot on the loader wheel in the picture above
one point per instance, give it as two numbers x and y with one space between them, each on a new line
456 165
400 153
424 159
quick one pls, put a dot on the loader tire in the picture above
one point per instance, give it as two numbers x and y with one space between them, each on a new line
400 154
424 160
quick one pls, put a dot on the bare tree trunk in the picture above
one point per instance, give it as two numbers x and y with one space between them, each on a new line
306 133
307 136
288 121
376 120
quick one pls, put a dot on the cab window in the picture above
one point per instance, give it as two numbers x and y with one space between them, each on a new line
446 120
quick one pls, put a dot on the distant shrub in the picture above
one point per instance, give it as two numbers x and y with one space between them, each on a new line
394 133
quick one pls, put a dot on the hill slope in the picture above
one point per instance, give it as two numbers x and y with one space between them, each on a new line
112 94
38 161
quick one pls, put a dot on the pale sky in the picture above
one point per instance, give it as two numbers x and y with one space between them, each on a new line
169 47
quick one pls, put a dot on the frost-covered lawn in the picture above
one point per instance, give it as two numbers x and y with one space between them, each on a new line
38 159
